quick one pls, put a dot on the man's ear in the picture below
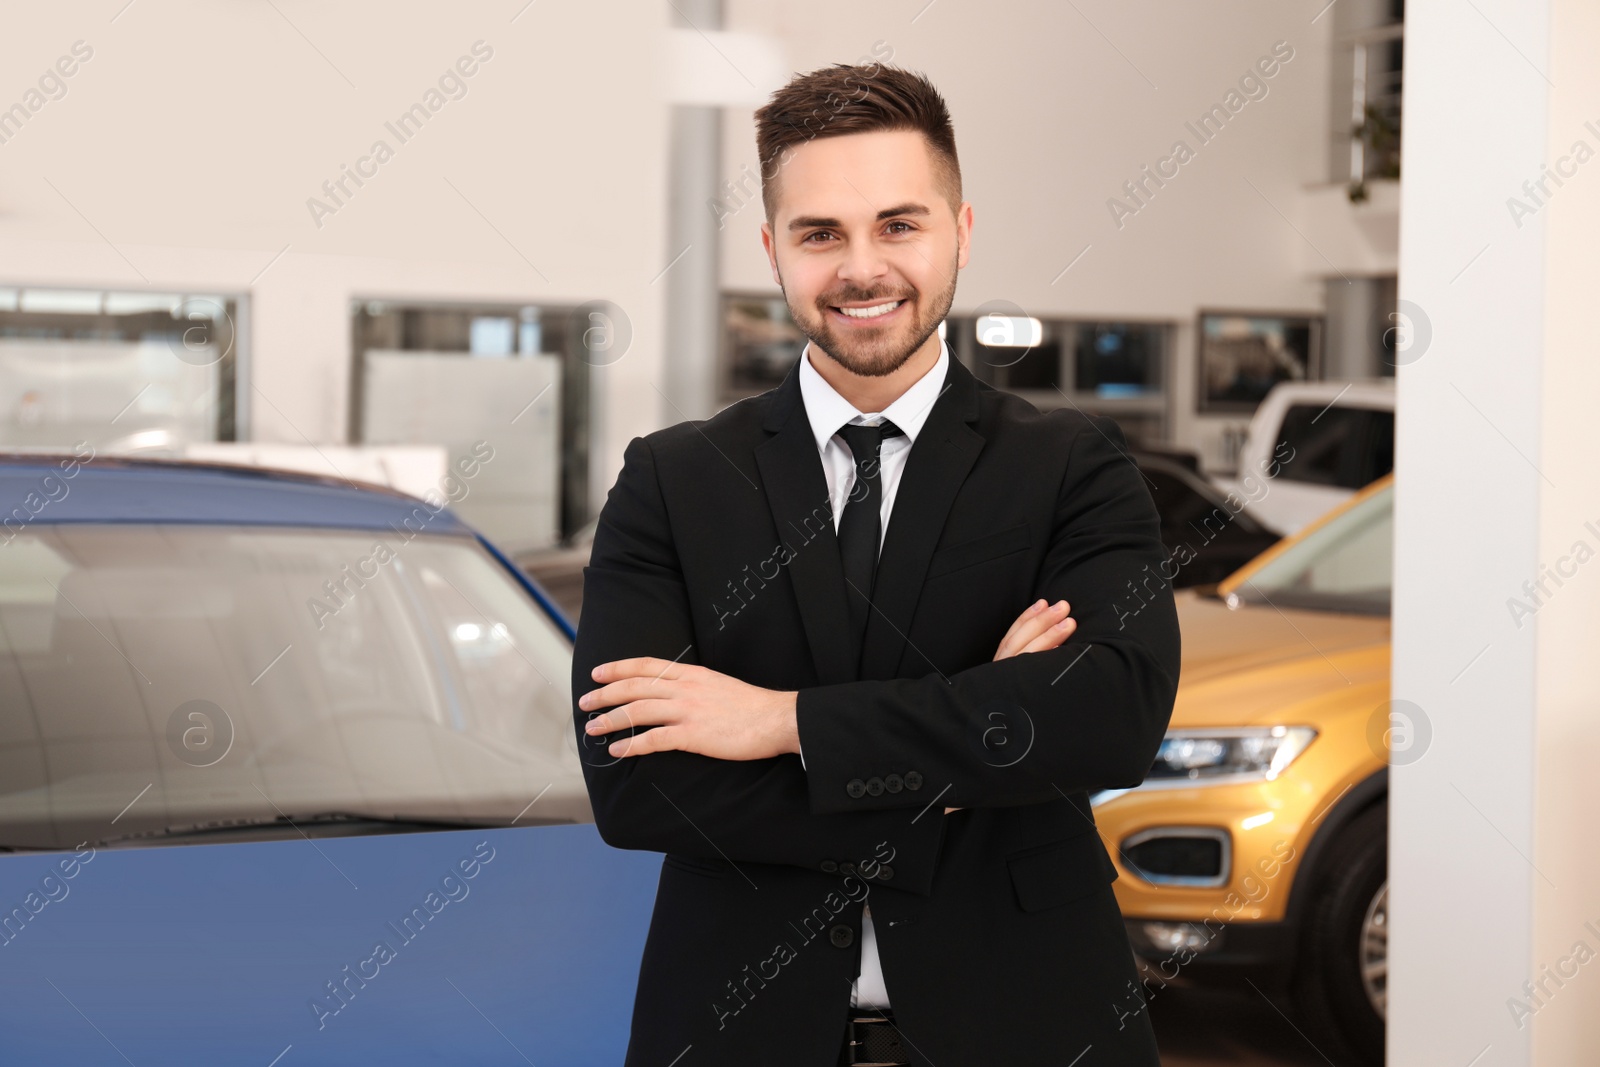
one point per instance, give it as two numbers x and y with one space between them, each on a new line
963 233
771 250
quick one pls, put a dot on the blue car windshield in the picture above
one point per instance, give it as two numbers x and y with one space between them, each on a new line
163 680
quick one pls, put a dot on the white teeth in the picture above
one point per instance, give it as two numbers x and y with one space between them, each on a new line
871 312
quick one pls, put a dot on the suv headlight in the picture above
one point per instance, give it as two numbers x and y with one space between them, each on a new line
1236 752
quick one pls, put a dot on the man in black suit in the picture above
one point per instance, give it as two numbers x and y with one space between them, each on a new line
803 703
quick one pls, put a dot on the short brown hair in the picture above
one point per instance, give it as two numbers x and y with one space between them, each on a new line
860 98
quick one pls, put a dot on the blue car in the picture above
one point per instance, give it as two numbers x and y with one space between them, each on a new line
288 777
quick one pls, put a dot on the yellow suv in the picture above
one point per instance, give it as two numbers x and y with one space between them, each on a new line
1256 848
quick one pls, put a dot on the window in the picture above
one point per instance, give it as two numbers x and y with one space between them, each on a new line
1088 360
1345 447
1244 354
1114 368
242 673
391 401
1115 359
124 372
1346 565
760 342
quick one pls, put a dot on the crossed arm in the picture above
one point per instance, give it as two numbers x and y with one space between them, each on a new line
721 779
696 709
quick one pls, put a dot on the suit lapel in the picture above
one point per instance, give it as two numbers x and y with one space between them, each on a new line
939 461
797 493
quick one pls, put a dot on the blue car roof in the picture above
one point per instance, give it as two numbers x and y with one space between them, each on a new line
35 487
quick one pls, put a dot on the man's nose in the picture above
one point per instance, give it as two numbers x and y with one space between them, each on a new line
863 263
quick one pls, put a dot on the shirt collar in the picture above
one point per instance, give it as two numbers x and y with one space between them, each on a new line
827 410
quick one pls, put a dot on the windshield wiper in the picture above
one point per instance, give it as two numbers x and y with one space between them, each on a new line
279 824
322 818
389 823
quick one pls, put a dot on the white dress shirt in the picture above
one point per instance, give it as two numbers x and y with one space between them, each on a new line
827 411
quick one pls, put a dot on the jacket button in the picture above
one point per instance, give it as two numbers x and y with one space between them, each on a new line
913 780
842 936
875 786
894 783
829 866
885 872
856 787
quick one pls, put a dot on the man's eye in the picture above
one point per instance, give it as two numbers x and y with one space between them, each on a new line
902 222
818 233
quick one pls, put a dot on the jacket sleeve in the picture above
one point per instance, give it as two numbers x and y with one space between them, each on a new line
1087 715
635 603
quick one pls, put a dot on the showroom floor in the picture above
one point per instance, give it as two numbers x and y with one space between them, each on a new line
1198 1027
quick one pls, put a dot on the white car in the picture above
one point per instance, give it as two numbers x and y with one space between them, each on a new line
1311 445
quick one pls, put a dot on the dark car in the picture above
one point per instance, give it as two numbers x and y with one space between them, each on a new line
1208 534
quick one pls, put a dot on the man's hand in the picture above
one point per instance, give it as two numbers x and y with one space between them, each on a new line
1038 629
692 708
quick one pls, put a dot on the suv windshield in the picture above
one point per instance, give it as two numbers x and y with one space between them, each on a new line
159 679
1346 565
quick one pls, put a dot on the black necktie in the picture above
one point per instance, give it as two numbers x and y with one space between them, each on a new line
860 526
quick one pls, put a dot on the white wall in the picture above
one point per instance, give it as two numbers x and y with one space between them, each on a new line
1053 112
1493 868
1566 795
195 135
185 149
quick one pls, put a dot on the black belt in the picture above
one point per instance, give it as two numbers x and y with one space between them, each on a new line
872 1038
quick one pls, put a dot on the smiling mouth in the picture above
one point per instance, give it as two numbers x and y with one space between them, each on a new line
876 311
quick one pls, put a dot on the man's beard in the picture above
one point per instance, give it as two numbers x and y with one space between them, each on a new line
880 352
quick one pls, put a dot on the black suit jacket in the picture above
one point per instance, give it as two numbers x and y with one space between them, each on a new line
997 928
